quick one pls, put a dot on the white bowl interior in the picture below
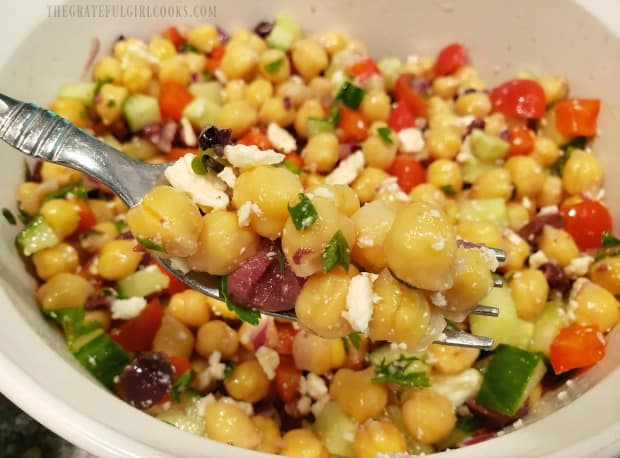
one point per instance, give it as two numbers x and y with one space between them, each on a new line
40 53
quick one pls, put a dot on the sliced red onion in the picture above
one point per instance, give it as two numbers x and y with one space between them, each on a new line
504 134
151 129
345 150
475 124
95 45
187 134
146 380
261 335
288 104
196 77
125 236
223 35
300 253
476 439
98 303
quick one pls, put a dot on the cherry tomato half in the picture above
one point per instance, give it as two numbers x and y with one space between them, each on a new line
408 171
520 98
586 222
450 59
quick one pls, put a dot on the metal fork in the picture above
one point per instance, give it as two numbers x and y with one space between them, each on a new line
42 134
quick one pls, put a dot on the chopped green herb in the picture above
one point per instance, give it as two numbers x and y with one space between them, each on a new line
181 384
188 47
150 245
208 76
198 165
448 190
281 261
291 166
121 225
24 217
385 133
101 82
110 292
72 321
9 216
452 325
274 66
27 172
303 214
351 95
111 103
406 370
355 338
230 367
605 253
89 232
333 116
608 240
244 314
468 424
205 160
76 189
336 252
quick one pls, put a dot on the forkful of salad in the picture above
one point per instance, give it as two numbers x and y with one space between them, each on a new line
234 223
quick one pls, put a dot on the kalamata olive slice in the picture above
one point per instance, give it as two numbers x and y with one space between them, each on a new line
146 380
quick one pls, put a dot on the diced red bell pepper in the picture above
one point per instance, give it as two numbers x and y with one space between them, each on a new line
521 141
585 222
255 136
87 216
364 69
408 171
173 98
400 117
450 59
520 98
215 57
175 285
351 126
173 34
295 159
181 364
404 93
177 153
576 347
286 334
137 333
577 117
287 379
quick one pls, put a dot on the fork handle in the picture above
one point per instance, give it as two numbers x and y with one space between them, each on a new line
43 134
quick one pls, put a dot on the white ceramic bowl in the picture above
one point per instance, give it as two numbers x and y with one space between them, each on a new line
38 53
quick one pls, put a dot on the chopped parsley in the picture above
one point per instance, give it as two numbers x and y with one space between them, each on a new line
385 133
608 240
274 66
188 47
355 339
303 214
291 166
557 168
76 189
351 95
150 245
9 216
244 314
336 252
448 190
181 384
406 371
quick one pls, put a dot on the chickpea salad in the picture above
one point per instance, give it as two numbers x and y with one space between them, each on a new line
364 194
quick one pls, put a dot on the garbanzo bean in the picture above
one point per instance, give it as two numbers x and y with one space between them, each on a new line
216 335
234 90
372 223
169 218
472 281
190 307
558 245
108 69
401 314
443 142
239 60
247 382
551 192
484 232
204 37
62 215
582 173
477 104
445 86
426 192
303 443
526 174
237 115
448 360
223 245
517 251
321 153
421 235
378 153
316 354
274 65
555 88
257 92
309 109
529 291
367 182
173 338
445 173
595 306
118 259
428 415
518 215
375 105
357 394
545 151
272 189
344 197
229 424
378 437
321 303
51 261
73 110
309 58
270 435
275 110
606 273
64 290
492 183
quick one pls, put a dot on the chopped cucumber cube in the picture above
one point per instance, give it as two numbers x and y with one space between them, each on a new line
201 111
284 32
510 377
487 147
319 126
547 326
143 283
491 210
101 356
37 236
336 430
211 90
472 169
141 110
83 91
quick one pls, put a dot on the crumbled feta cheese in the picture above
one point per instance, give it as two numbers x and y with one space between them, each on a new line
137 50
180 265
527 203
213 372
465 154
537 259
304 404
246 157
246 210
324 192
281 138
205 190
438 299
189 136
220 76
365 241
359 303
93 269
316 386
268 359
318 406
490 257
411 140
347 170
464 121
390 191
578 267
548 210
512 237
518 424
458 388
227 175
125 309
338 77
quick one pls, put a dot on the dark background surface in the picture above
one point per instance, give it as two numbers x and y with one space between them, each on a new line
23 437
